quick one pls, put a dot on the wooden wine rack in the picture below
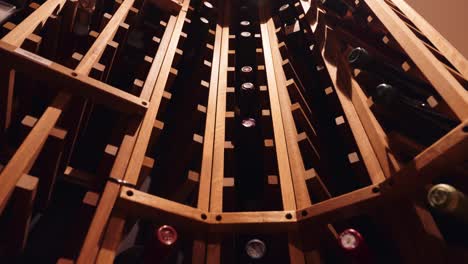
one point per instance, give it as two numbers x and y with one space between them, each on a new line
65 119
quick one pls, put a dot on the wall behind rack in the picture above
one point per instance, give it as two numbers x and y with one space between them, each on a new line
446 17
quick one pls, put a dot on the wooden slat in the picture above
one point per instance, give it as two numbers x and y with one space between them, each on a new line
445 84
25 156
261 221
97 49
445 47
210 125
112 238
297 166
17 228
149 206
27 26
297 173
341 207
147 124
27 153
285 174
7 80
373 129
447 152
91 245
217 177
342 90
66 80
48 161
212 170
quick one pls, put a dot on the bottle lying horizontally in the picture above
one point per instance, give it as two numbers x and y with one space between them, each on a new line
359 58
410 116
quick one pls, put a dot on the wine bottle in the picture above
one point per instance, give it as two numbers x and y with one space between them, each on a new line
247 73
255 249
245 23
83 23
246 48
249 178
247 87
206 9
410 116
158 251
338 6
448 200
84 15
161 247
247 100
359 58
354 246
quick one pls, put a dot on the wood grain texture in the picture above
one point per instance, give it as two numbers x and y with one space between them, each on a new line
285 174
445 84
27 26
111 237
144 134
445 47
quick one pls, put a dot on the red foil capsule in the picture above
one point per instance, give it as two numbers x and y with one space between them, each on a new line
354 246
161 247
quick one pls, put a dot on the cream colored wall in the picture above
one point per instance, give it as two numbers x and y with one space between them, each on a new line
449 17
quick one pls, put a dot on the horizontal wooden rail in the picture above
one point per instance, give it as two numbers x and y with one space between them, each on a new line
437 159
445 84
67 80
148 206
341 207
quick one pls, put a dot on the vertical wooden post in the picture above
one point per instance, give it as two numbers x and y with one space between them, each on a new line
7 82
